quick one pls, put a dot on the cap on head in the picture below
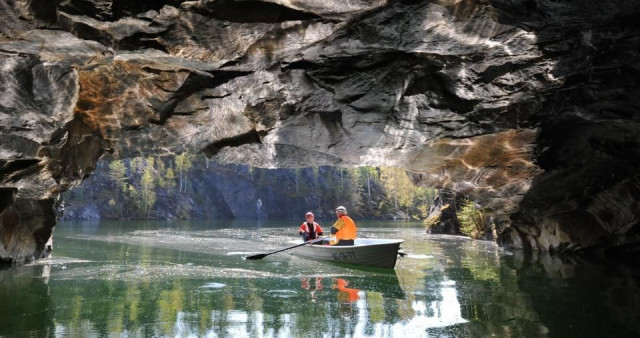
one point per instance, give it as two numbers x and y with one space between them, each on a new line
309 214
342 210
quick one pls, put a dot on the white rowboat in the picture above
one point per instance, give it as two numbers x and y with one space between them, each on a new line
366 251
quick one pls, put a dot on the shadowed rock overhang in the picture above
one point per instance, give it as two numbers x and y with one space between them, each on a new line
531 107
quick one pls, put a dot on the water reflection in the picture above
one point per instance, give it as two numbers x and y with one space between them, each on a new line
25 313
173 284
306 284
345 294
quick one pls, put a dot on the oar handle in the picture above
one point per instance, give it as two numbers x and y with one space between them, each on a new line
292 247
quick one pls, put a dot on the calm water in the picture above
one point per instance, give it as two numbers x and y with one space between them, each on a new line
172 279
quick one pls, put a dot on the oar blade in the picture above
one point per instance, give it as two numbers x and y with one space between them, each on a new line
258 256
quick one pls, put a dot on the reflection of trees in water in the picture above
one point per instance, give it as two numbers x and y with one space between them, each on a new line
579 297
489 296
183 307
170 304
375 307
483 265
313 318
537 294
497 294
251 306
24 302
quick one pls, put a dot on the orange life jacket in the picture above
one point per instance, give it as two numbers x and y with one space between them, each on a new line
346 228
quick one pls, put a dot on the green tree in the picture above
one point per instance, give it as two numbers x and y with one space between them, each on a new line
407 191
355 187
170 178
368 173
388 179
398 186
147 188
423 200
161 177
137 165
149 162
472 220
135 196
117 172
183 164
369 176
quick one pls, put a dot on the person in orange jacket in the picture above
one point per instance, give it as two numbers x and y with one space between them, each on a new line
344 229
310 230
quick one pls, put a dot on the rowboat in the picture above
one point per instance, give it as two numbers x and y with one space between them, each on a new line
366 251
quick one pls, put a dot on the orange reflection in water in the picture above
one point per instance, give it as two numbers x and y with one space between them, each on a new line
345 294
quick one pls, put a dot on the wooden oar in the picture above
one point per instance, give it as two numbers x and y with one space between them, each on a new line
263 255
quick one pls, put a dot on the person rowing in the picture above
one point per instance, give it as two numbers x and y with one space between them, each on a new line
310 230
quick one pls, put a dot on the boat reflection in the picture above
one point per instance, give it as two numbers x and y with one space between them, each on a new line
347 288
306 284
377 304
345 294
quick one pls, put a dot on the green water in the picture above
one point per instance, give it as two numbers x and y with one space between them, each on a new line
189 279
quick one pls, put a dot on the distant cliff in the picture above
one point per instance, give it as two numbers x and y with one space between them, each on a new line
210 190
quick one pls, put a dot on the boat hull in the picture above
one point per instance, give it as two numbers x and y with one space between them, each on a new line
381 253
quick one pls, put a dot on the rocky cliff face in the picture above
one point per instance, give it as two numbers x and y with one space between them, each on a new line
210 190
528 105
